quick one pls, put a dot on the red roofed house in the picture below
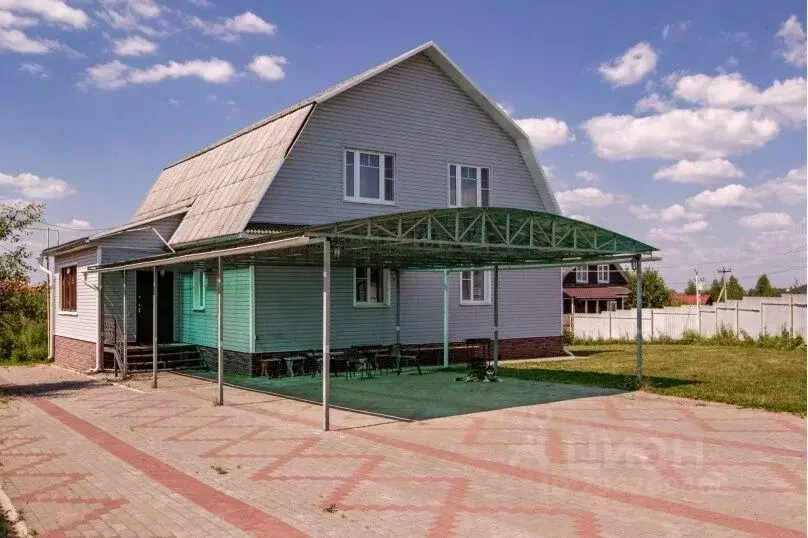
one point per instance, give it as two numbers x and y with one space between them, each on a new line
687 299
594 289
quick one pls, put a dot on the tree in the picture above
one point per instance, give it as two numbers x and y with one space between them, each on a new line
655 293
764 288
734 289
15 219
715 289
690 289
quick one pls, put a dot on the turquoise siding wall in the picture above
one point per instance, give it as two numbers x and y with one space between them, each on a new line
289 311
199 327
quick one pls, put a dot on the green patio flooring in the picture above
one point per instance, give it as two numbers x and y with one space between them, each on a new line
436 393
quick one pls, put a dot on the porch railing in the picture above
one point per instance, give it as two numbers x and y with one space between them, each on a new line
114 337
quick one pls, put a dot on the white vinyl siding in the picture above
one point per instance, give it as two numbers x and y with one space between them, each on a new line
83 323
415 111
369 177
582 274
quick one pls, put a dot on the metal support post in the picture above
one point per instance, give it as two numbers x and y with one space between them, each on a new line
154 327
639 319
398 306
326 331
125 363
220 327
495 343
445 318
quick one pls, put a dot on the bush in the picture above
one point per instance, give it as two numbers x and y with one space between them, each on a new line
569 337
725 337
23 327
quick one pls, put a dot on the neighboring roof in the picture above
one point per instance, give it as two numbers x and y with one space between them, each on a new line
136 224
683 298
75 244
223 183
609 292
455 238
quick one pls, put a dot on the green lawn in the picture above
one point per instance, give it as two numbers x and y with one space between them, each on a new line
740 375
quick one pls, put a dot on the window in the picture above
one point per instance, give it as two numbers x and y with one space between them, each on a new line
469 186
369 177
581 274
475 287
603 274
67 285
371 286
199 279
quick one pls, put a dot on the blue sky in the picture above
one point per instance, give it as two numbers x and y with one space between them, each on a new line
679 123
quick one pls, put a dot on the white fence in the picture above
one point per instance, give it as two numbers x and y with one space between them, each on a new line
752 315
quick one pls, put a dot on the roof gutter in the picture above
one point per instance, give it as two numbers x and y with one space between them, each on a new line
280 244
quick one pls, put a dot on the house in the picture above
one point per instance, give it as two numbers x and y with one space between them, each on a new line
690 299
595 288
239 237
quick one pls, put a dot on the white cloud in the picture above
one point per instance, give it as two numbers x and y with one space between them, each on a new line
678 134
205 4
686 171
729 196
631 67
75 224
792 36
678 234
506 108
678 212
789 189
549 171
587 176
583 218
652 103
17 41
574 199
134 46
114 75
55 11
643 212
35 70
731 63
545 133
268 67
786 99
35 187
677 28
10 20
229 29
766 221
131 15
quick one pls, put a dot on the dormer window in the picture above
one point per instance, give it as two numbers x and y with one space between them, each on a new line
369 177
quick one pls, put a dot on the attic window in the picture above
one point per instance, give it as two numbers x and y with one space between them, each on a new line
603 274
369 177
581 274
469 186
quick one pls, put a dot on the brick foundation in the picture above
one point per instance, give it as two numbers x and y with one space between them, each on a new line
237 362
74 354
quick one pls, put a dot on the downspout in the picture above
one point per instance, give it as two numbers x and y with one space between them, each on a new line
51 321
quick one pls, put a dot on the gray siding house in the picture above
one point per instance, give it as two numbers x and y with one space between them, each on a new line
411 134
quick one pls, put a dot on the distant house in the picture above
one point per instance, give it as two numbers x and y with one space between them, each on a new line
690 299
594 289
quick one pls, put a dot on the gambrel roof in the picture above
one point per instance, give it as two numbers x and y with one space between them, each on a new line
222 184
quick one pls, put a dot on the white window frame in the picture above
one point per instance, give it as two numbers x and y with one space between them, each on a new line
372 304
198 306
579 271
76 277
459 184
486 292
603 269
356 197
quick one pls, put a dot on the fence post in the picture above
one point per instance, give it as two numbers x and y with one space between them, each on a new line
762 319
737 326
791 315
715 311
652 323
610 324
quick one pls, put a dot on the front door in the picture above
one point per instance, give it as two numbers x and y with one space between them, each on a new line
165 307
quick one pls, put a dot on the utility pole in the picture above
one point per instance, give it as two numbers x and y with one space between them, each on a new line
723 271
698 300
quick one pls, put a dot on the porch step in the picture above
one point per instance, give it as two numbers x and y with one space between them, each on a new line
169 357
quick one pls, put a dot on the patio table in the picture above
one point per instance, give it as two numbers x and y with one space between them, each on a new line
276 367
293 362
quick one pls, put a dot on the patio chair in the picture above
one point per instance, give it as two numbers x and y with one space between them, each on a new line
478 357
405 358
386 361
365 361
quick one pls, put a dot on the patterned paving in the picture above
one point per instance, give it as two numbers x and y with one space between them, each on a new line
83 458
